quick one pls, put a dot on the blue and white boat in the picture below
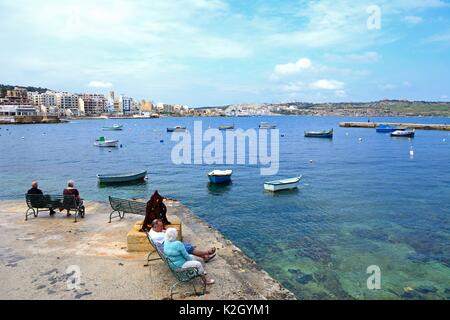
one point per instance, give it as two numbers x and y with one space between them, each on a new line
387 128
121 177
176 129
283 184
220 176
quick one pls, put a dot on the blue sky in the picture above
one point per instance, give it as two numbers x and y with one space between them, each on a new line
216 52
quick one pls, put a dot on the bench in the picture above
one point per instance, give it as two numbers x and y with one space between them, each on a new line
182 275
122 206
39 202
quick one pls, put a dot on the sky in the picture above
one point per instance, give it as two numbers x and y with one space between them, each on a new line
218 52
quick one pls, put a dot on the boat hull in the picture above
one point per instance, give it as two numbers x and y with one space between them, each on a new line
279 185
403 134
219 179
388 129
107 144
121 178
324 134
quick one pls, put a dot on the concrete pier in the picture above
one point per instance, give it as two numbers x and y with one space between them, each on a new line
444 127
38 259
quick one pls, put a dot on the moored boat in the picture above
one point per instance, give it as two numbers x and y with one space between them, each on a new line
282 184
403 133
265 125
387 128
319 134
220 176
115 127
121 177
101 142
226 127
176 129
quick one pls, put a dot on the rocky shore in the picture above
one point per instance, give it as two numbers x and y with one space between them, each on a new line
54 258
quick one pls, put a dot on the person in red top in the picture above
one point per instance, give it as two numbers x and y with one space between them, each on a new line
71 190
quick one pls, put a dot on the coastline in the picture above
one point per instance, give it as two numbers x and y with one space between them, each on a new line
36 254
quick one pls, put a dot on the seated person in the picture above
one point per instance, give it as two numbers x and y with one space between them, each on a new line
35 190
158 235
71 190
178 255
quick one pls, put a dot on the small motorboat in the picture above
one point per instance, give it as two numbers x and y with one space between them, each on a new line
220 176
115 127
101 142
176 129
283 184
121 177
403 133
319 134
387 128
265 125
226 127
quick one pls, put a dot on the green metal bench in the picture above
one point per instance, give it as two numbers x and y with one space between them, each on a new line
183 275
39 202
122 206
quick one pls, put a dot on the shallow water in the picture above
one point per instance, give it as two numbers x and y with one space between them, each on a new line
360 203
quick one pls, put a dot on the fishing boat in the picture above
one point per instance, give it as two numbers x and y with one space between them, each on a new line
403 133
265 125
101 142
319 134
283 184
387 128
226 127
176 129
121 177
220 176
115 127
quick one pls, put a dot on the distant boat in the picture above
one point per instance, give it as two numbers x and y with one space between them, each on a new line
265 125
176 129
115 127
101 142
283 184
121 177
386 128
403 133
226 127
319 134
220 176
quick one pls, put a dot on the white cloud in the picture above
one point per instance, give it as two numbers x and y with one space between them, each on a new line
292 68
413 19
370 56
325 84
443 38
100 84
388 87
293 87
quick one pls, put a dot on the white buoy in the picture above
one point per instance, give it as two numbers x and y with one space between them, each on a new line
346 133
360 139
443 140
23 138
310 161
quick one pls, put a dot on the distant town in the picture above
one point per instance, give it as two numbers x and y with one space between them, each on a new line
30 104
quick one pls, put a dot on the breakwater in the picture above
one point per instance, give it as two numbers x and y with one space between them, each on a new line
444 127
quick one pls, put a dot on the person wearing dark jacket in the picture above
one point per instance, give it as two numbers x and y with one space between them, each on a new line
36 191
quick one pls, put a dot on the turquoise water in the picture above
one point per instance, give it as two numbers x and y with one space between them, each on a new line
360 203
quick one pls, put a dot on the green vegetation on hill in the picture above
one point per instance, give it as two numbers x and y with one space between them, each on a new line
4 88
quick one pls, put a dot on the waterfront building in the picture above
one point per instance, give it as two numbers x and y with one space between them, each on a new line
17 96
67 101
92 104
17 110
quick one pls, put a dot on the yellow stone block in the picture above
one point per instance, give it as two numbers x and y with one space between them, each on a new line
137 241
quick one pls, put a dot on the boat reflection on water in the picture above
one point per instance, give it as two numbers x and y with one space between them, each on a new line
115 185
283 193
219 189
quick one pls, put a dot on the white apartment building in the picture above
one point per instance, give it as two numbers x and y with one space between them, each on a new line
67 101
